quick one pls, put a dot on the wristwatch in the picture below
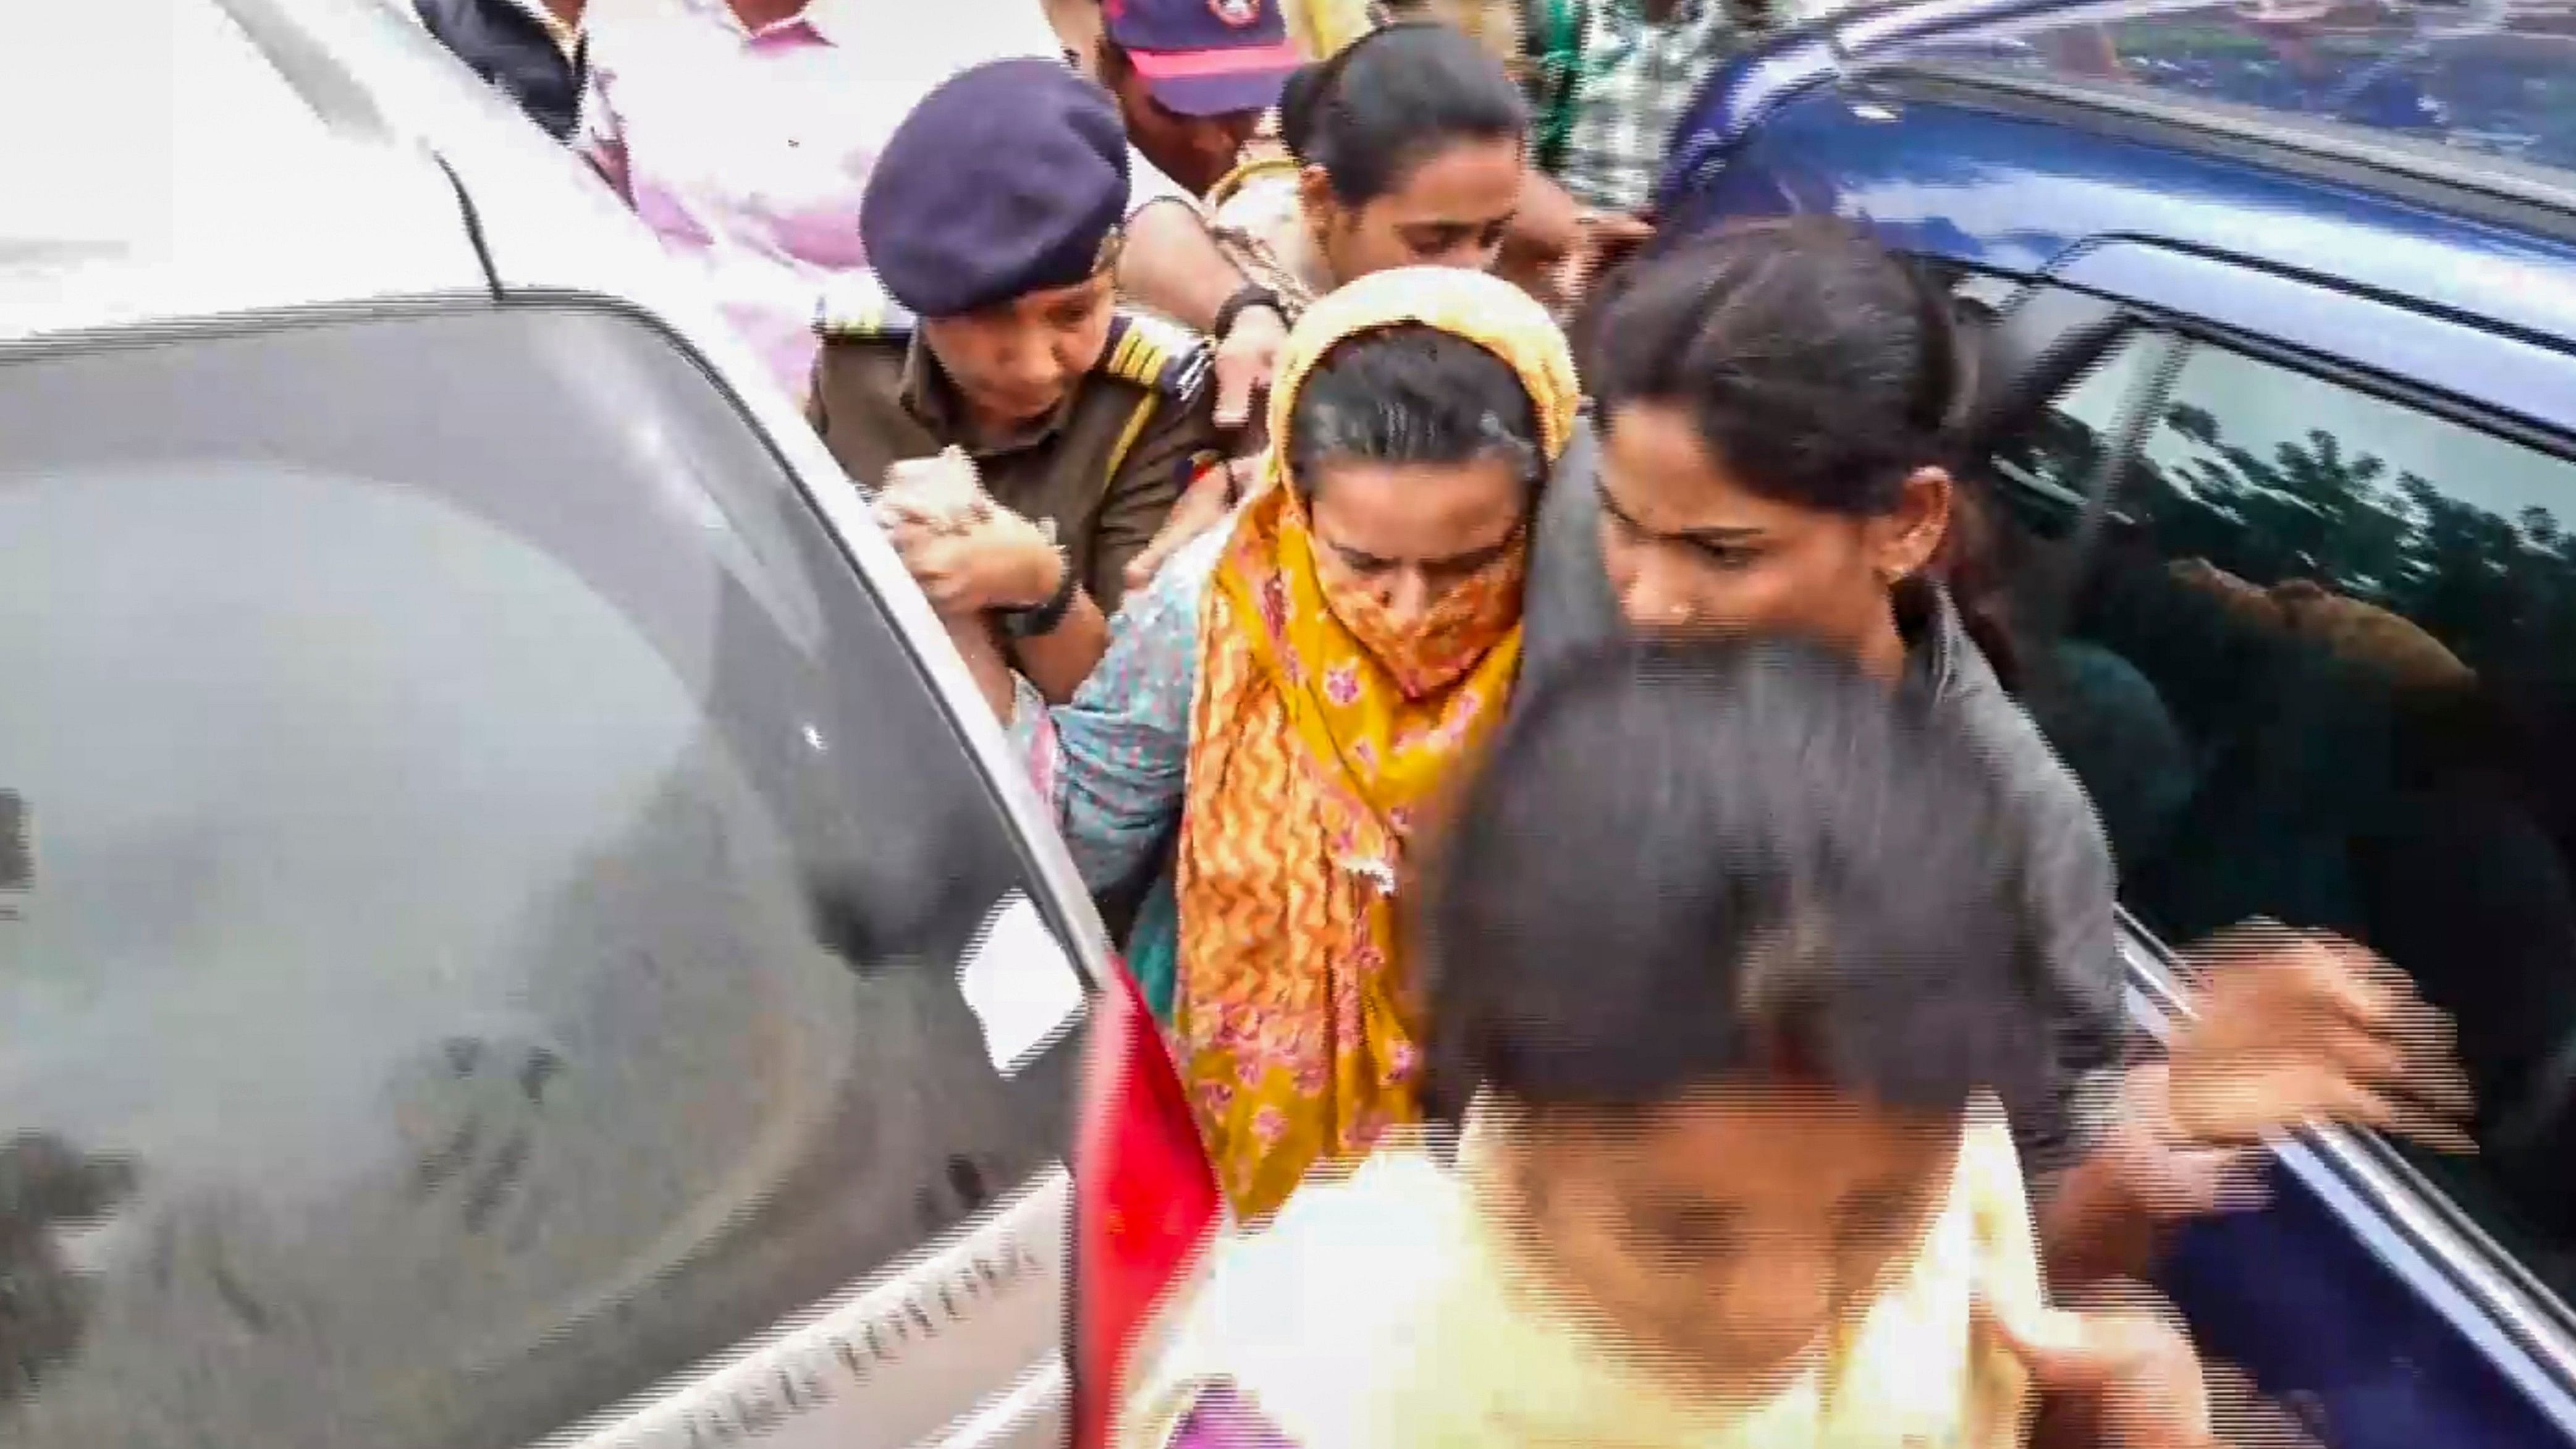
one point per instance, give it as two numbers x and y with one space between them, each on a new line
1038 620
1245 298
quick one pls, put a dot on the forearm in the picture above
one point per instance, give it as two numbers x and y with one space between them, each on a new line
1059 660
985 662
2094 1224
2106 1211
1549 221
1172 265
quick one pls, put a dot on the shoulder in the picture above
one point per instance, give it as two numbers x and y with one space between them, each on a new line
1568 603
1975 702
1157 355
856 307
1256 195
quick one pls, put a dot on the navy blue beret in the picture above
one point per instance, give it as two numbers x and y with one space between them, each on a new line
1007 179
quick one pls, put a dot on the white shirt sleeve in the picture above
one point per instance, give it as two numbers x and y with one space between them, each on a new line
1146 184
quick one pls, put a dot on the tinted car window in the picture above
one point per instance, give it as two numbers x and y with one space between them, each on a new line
490 889
2495 79
2315 664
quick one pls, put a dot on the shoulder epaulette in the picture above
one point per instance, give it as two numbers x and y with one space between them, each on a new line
1154 353
857 305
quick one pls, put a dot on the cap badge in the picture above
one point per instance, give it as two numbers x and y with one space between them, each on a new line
1237 13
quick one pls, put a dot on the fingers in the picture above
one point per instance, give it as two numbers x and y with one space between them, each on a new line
2198 1181
896 510
1233 395
1202 506
2122 1350
2119 1329
2293 1026
1244 362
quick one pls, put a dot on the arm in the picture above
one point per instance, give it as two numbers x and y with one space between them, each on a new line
1179 445
1171 263
998 561
973 636
2089 1146
1057 661
1544 232
1177 439
1124 739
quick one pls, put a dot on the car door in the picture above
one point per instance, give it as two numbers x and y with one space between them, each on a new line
2302 623
499 940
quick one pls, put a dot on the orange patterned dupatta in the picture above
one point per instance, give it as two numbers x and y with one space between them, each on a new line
1316 732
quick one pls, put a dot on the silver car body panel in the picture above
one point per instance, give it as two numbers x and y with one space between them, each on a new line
328 153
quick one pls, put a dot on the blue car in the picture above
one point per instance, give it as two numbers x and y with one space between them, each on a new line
2277 305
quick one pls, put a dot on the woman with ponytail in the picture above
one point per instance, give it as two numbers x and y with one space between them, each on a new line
1408 147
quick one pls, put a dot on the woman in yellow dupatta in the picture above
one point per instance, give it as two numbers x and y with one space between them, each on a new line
1360 638
1726 963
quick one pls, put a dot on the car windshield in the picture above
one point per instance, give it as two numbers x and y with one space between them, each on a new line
2495 78
483 888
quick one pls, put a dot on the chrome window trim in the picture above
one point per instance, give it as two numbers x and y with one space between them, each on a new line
2400 1214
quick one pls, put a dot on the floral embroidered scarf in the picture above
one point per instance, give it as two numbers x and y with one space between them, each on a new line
1317 733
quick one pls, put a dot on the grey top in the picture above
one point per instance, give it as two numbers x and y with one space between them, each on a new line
2065 860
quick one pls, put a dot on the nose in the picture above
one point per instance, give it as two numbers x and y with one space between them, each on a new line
1032 365
1223 139
1779 1303
1650 593
1408 598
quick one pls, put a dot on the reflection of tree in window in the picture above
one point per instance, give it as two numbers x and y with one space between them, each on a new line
2494 590
2368 670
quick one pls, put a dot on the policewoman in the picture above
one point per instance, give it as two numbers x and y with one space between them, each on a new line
990 323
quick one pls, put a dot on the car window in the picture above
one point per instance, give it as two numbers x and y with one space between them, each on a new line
2486 78
488 890
2056 461
2316 664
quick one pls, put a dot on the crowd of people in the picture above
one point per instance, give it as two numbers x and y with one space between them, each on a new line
1554 770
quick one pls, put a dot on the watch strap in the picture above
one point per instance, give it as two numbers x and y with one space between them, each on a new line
1039 620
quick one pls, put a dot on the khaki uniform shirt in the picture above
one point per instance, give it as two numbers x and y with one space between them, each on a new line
1105 467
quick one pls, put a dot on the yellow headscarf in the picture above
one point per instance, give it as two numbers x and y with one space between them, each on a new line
1316 733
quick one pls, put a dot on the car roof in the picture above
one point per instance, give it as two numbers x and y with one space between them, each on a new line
1997 176
196 179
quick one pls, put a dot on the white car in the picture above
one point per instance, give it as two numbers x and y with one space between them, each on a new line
515 927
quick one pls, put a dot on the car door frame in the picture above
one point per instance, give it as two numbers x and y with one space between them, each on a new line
2383 348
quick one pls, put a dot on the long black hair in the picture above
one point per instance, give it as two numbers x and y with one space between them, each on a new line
1391 100
1687 863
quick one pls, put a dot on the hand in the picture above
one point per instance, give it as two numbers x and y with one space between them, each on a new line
941 492
1206 503
2116 1368
2291 1027
1002 562
2168 1173
1604 239
1247 357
